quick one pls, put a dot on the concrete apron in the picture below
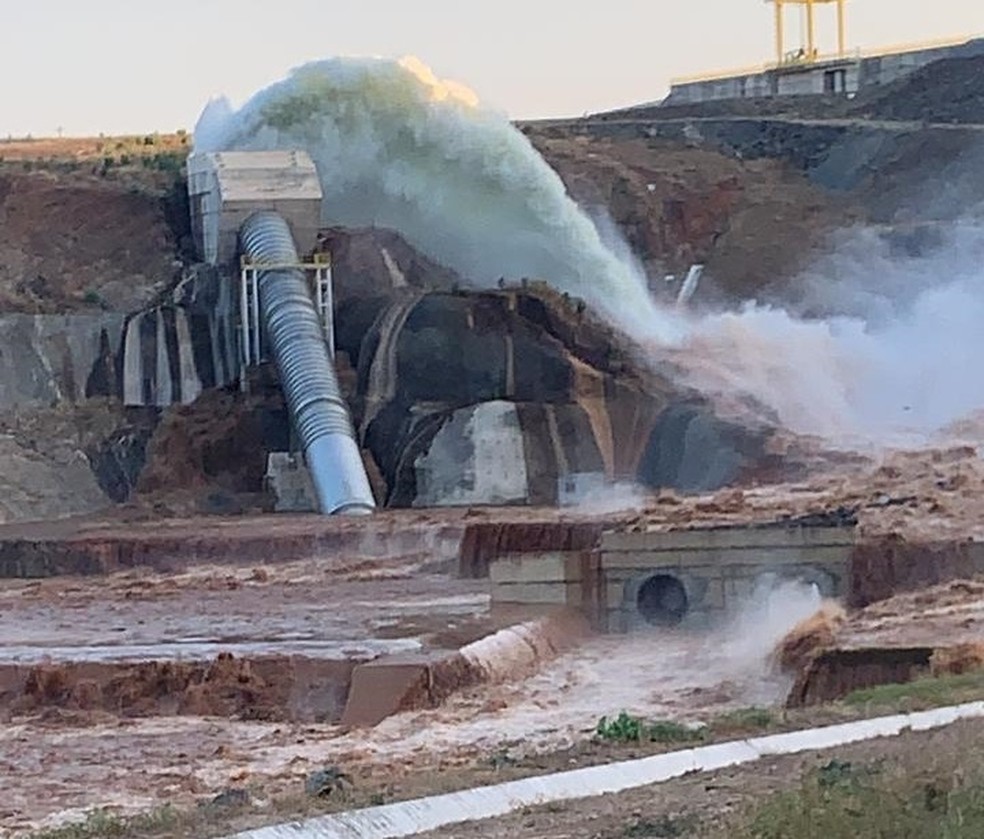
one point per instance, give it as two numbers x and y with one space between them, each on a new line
408 818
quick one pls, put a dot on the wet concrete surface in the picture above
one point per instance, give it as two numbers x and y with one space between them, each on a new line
297 608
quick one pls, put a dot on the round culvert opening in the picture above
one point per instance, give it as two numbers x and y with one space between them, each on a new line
662 600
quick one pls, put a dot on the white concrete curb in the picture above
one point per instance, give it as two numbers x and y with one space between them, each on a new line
407 818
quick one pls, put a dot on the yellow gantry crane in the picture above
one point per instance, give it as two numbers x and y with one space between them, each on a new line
809 51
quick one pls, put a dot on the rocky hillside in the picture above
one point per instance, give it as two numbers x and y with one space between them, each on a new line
92 232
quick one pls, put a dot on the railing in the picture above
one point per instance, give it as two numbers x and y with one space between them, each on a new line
795 60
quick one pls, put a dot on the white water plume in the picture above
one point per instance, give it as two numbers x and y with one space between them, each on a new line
397 147
895 368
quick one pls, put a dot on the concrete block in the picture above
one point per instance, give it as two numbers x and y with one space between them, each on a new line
493 472
528 568
383 687
572 489
290 482
554 566
696 558
554 594
737 590
737 572
714 595
722 538
641 560
234 185
614 592
617 621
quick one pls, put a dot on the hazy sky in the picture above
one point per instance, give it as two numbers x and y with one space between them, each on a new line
123 66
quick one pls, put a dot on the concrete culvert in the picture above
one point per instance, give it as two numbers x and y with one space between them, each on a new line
662 600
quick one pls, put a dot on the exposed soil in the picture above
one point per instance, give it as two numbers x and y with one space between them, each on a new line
72 241
917 96
930 495
61 460
917 498
749 221
135 537
210 456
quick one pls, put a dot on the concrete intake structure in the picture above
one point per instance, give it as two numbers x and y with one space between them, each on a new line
297 341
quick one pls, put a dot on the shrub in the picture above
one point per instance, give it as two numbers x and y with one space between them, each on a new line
626 728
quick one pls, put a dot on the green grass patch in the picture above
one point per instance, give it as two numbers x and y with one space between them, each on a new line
744 720
926 692
104 823
842 801
626 728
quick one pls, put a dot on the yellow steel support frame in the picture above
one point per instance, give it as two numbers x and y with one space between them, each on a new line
811 29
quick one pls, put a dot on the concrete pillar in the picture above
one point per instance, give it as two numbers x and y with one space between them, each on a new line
810 32
841 40
779 33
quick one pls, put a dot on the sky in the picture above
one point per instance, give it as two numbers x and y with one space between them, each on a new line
84 67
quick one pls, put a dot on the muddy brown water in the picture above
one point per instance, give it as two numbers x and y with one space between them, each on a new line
273 643
291 688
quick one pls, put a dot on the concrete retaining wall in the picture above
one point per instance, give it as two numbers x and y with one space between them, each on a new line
525 585
50 359
396 683
717 569
478 457
485 542
174 351
157 357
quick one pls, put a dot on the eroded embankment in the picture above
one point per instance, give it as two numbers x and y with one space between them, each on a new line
883 567
935 631
292 688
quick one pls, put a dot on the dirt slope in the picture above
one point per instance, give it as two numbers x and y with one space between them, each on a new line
73 241
749 221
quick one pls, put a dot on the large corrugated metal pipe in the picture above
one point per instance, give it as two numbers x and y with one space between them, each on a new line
307 374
